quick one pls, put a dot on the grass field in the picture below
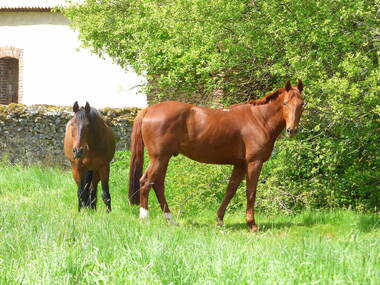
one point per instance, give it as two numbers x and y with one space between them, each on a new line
44 240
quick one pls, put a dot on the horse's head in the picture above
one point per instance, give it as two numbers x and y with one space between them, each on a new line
293 106
80 129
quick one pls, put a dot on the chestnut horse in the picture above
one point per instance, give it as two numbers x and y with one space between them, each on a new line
89 144
241 135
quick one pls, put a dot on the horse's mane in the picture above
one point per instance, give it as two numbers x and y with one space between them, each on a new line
261 101
92 116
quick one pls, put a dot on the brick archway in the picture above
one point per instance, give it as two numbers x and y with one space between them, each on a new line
11 67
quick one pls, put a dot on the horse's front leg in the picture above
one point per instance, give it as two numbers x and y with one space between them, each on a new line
253 173
82 192
104 179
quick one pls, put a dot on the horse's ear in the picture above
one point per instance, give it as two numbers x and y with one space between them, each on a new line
300 85
87 108
75 107
288 85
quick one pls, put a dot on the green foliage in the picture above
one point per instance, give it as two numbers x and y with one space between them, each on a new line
256 44
44 240
245 48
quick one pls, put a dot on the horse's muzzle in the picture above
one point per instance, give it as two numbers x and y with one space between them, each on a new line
78 152
291 132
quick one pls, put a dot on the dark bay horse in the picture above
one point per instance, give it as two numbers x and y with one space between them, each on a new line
89 144
242 135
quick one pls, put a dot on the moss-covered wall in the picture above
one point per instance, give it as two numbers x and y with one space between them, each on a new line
30 134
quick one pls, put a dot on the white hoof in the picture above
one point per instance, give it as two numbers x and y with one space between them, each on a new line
144 214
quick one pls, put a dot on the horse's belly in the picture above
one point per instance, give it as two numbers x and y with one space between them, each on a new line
212 160
213 155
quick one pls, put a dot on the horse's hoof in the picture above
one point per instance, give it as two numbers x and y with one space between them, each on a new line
173 223
254 229
219 222
169 219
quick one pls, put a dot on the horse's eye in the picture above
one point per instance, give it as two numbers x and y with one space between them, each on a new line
285 104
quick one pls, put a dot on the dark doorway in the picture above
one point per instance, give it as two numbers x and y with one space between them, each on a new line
9 70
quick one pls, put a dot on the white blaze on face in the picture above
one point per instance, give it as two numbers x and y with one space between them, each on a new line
144 214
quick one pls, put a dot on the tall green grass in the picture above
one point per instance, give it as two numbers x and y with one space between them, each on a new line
44 240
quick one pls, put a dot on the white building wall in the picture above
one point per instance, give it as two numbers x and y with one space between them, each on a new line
57 72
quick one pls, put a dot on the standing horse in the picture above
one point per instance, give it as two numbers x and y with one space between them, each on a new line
89 144
241 135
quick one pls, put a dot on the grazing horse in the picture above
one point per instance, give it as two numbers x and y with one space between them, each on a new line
89 144
241 135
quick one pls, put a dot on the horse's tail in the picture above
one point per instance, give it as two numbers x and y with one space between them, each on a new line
137 160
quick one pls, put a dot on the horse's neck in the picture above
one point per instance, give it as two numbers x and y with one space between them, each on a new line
272 115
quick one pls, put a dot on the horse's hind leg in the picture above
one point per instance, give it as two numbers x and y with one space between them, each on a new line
94 190
155 173
236 177
159 188
104 178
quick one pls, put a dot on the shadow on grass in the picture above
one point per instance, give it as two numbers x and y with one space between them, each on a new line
263 227
362 222
368 223
197 225
239 226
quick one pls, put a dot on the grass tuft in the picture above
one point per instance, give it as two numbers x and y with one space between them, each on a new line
44 240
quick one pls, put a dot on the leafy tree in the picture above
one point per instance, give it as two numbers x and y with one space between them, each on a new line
234 50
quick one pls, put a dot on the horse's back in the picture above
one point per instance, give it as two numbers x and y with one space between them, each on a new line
106 140
203 134
111 141
168 109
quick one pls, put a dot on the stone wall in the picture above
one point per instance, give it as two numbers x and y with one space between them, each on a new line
34 134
